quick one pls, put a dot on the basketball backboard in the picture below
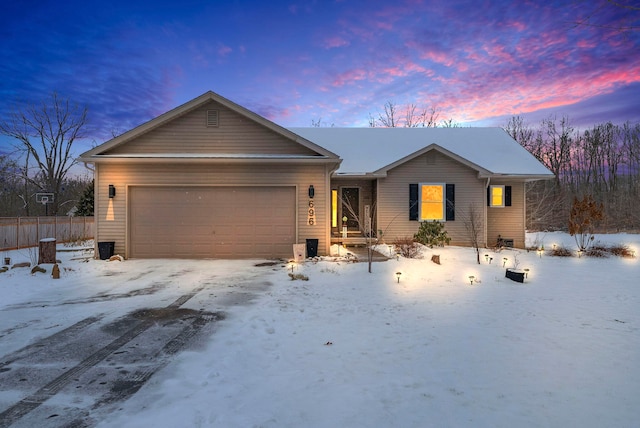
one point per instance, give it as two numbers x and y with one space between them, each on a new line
44 198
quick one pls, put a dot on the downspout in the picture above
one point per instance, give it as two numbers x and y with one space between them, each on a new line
486 214
96 210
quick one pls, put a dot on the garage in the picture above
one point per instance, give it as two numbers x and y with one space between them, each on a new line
212 222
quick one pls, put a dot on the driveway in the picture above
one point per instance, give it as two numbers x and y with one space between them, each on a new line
87 352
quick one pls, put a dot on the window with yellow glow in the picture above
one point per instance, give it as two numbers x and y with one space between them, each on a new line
431 202
497 196
334 208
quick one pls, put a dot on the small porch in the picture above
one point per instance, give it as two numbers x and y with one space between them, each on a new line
349 241
352 211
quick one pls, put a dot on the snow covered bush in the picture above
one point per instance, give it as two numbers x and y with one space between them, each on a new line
621 250
560 251
432 233
407 247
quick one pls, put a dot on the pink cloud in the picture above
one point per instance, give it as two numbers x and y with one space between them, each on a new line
350 77
516 25
405 69
224 50
335 42
509 95
586 44
438 57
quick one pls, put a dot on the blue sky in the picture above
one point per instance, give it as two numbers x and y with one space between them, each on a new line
477 62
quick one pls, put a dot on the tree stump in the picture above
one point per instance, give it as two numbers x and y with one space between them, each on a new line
47 251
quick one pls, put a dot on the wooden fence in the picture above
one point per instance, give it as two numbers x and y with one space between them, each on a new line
22 232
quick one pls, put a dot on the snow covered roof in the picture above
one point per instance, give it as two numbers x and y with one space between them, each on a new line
491 151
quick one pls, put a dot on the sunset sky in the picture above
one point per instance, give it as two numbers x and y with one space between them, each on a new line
477 62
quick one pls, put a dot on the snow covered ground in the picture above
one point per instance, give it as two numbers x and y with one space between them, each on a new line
352 349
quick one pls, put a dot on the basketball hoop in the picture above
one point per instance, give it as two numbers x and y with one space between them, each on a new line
45 199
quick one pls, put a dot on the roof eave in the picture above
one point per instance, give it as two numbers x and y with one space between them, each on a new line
518 177
358 175
207 160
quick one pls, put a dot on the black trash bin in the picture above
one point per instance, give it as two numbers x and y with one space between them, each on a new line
105 249
312 248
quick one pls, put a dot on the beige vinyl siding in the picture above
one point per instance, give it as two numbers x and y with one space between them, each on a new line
432 167
508 222
189 133
112 213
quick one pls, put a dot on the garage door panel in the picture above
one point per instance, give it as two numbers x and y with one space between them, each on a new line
211 222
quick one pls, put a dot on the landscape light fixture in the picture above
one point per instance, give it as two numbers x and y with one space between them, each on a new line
486 257
526 272
540 251
504 261
112 191
398 275
312 192
471 278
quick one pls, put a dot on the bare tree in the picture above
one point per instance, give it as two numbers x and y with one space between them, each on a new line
473 226
584 217
450 123
424 118
522 133
319 123
630 22
365 225
45 134
409 116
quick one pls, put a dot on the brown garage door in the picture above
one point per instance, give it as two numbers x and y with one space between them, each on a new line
211 222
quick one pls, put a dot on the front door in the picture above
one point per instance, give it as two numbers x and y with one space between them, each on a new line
351 206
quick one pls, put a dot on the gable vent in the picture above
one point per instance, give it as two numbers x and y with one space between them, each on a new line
212 118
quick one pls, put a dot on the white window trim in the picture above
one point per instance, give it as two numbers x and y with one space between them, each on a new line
491 204
444 201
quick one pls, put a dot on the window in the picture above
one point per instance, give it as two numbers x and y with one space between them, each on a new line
432 201
499 196
334 208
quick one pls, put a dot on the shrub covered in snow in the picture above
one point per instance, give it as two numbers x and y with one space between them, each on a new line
432 233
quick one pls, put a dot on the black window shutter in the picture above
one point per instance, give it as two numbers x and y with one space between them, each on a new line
450 209
507 196
413 202
489 196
